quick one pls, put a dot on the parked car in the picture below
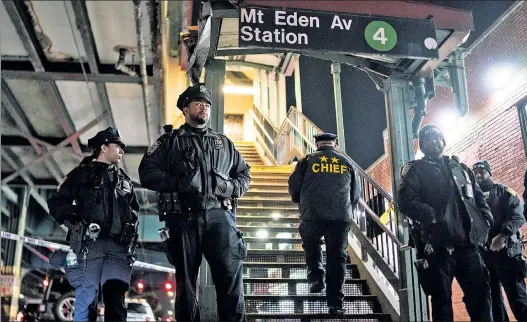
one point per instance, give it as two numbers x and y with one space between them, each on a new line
139 310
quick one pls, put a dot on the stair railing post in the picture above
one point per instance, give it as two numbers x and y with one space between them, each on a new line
335 71
413 302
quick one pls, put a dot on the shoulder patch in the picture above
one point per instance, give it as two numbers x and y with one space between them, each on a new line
511 191
406 168
218 143
153 147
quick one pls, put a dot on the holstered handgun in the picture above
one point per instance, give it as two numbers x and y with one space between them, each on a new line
77 236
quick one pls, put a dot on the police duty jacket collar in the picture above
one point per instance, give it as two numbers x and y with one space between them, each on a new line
326 147
186 130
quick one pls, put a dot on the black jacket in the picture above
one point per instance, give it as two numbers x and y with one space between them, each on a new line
195 165
325 186
507 210
109 202
445 190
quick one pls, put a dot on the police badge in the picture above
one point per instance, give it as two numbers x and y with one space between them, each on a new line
153 147
203 89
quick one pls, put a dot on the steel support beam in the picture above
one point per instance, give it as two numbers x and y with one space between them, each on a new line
335 71
522 114
83 23
18 255
9 194
23 124
24 141
13 162
25 29
70 76
62 144
413 302
214 79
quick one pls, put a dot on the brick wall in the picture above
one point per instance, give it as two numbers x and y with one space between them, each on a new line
491 129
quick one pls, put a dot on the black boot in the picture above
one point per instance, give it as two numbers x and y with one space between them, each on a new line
336 311
317 287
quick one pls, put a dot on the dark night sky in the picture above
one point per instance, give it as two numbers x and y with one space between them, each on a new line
363 105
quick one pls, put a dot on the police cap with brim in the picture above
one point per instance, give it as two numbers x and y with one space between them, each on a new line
325 137
110 135
193 93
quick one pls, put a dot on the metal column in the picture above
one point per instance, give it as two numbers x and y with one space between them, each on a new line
335 71
522 113
13 311
214 79
413 302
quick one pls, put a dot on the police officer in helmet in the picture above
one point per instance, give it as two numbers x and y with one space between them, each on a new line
199 174
451 221
325 186
504 257
97 202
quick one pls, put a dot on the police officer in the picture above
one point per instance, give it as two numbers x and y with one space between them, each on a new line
199 174
504 257
97 202
325 187
450 221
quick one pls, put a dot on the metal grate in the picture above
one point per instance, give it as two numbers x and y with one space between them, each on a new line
289 289
348 289
261 258
355 307
270 306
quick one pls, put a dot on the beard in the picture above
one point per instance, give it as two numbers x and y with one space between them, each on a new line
486 184
198 119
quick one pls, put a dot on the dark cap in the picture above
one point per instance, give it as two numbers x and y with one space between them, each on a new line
325 137
193 93
429 131
484 164
110 135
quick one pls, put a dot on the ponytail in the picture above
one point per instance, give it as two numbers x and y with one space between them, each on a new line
90 158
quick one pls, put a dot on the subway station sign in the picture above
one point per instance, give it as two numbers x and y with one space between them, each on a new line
337 32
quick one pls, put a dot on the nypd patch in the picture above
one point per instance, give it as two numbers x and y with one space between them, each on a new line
153 147
218 143
405 169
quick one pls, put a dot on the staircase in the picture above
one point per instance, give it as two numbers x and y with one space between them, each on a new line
275 284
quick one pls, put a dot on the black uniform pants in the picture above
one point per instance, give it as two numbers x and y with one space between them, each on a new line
335 234
508 272
213 234
466 265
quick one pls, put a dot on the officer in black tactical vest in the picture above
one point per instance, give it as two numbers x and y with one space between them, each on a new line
325 186
199 174
450 221
504 257
97 202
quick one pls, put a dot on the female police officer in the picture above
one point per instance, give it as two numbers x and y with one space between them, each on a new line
96 201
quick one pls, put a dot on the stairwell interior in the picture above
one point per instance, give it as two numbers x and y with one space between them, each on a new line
275 283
